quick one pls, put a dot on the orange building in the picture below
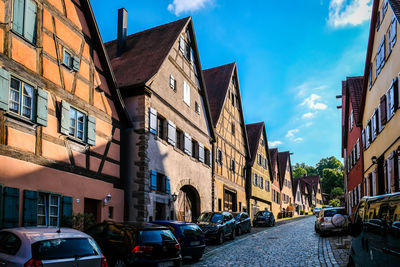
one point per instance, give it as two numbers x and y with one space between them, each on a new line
60 116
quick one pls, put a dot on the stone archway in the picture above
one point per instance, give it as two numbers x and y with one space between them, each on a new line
188 204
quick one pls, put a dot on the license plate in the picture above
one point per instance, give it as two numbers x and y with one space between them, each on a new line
166 264
195 243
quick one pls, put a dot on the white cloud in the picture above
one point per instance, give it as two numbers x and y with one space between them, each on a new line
349 12
275 143
291 136
311 102
308 115
180 6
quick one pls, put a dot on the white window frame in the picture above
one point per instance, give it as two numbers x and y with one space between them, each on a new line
20 102
68 56
47 208
186 93
172 82
75 127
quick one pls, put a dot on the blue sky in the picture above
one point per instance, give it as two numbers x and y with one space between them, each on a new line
291 57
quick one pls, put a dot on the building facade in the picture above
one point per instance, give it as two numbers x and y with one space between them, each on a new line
170 144
60 116
259 175
286 181
380 117
231 147
275 185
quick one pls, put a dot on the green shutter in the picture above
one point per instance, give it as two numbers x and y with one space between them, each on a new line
153 180
10 207
4 88
18 16
91 131
42 102
30 208
30 21
76 63
167 186
65 119
66 220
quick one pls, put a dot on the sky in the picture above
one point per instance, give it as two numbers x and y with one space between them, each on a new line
291 57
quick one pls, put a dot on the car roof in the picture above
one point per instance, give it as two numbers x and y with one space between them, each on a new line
172 222
335 208
35 234
139 225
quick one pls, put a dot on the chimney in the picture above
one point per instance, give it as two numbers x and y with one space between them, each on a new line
122 29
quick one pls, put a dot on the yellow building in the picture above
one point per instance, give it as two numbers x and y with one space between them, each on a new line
380 116
275 184
285 175
231 149
259 175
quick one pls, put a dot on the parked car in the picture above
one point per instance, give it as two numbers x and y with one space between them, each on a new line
217 225
317 210
38 246
332 220
265 217
189 235
376 232
137 243
242 222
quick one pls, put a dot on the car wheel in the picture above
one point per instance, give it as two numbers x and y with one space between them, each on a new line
220 239
239 230
197 257
233 234
316 229
119 263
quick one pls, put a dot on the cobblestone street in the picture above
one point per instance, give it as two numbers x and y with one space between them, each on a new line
290 244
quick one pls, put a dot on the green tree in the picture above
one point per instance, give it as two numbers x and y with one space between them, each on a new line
310 170
334 202
328 163
331 178
299 172
337 191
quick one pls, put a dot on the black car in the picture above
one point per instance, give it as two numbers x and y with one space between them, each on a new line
136 244
376 232
217 225
242 222
189 235
264 218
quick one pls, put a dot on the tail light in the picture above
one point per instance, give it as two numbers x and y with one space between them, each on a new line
103 261
179 239
321 219
142 249
177 246
33 263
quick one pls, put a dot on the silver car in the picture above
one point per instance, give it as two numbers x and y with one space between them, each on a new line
26 247
332 220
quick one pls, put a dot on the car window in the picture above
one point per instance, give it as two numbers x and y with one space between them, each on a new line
190 229
210 217
96 230
63 248
331 213
114 232
9 243
266 213
155 236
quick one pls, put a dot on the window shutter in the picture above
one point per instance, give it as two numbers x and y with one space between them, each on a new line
11 207
4 88
30 208
18 16
186 93
42 102
367 186
167 185
171 135
395 94
91 131
182 44
66 219
188 144
393 31
373 177
30 21
201 152
358 149
191 55
65 119
363 137
153 179
76 63
210 155
153 120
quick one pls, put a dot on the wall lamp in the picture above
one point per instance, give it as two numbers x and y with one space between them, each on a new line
107 200
374 159
173 198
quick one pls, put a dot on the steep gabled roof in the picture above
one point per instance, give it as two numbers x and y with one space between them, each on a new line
144 53
354 85
217 83
283 158
254 131
273 153
312 181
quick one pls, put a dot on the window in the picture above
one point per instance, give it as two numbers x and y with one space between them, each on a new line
374 128
370 75
48 213
207 156
380 57
77 126
172 82
233 128
392 34
10 243
390 102
185 48
233 99
233 165
186 93
195 149
68 59
261 182
267 186
160 127
161 183
219 204
351 121
262 142
197 107
368 134
21 98
24 19
259 159
219 156
255 179
179 139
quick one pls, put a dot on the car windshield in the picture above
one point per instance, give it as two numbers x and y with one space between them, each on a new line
155 236
331 213
263 213
190 229
210 217
64 248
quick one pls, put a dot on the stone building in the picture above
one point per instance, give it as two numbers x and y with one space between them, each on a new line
379 110
231 147
259 170
286 181
169 147
275 185
60 116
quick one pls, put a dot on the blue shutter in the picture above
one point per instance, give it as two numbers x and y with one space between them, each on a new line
66 219
167 185
65 119
153 179
4 88
11 207
18 16
42 106
30 208
30 21
76 63
91 131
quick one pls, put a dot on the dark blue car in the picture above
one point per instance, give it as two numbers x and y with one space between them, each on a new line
189 235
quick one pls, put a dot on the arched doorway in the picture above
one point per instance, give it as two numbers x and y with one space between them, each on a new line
188 204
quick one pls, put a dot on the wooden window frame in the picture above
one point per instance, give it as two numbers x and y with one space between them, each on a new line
21 96
85 122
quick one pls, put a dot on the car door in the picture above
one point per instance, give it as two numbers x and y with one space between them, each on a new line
9 246
392 245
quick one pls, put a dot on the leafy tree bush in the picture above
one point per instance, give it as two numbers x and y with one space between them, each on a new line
334 202
337 191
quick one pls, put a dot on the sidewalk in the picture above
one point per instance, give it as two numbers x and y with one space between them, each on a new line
290 219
